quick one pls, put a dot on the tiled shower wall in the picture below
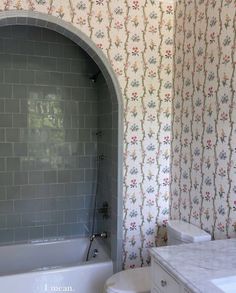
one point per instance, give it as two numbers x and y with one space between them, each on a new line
48 120
106 157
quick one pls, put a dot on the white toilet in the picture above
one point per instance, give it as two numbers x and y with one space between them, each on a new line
138 280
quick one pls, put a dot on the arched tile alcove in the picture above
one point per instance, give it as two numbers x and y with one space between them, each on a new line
31 18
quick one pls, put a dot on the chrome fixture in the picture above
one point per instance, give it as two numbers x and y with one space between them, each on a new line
101 157
99 133
104 210
95 252
98 235
94 77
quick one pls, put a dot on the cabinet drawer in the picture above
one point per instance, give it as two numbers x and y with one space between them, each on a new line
163 281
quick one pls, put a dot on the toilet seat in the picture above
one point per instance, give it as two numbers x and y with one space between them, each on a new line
129 281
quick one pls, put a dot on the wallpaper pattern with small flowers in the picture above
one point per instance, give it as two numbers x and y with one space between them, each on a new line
203 169
137 38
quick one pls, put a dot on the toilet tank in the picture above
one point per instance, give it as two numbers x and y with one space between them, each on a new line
179 232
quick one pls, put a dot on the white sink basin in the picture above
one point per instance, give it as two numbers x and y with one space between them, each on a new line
227 285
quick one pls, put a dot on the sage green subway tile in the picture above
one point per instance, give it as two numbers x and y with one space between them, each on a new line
56 50
26 205
36 177
64 176
50 176
90 149
85 135
2 106
12 106
85 188
72 107
74 51
69 162
63 65
19 91
6 207
20 120
70 189
3 192
27 77
6 236
13 221
28 191
41 49
3 222
34 62
24 106
2 135
20 149
65 93
77 175
42 78
13 164
77 149
6 120
90 94
24 48
83 162
54 144
50 231
91 122
78 94
17 32
36 233
42 190
12 76
71 135
89 201
78 229
2 164
19 61
77 216
56 78
72 79
71 229
6 91
33 33
70 202
5 60
77 65
84 107
49 64
6 149
21 178
21 234
57 189
13 192
9 46
90 175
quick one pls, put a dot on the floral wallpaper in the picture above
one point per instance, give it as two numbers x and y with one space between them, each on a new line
203 186
137 38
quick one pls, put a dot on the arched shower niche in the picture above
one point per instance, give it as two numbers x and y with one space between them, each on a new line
53 131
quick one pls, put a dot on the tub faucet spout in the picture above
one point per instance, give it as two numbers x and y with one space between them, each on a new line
98 235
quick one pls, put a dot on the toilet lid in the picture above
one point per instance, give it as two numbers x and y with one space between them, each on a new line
130 281
186 232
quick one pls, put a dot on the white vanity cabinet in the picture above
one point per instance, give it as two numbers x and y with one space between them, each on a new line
163 281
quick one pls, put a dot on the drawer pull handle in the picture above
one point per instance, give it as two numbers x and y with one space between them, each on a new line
163 283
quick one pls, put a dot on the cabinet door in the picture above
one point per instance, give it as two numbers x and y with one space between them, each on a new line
163 281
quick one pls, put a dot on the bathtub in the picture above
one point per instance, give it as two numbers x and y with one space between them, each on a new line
54 267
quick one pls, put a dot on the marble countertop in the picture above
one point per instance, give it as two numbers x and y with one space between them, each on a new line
196 264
